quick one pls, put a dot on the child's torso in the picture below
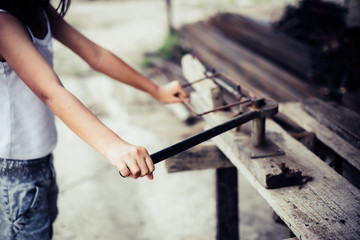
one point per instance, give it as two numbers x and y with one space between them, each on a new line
26 124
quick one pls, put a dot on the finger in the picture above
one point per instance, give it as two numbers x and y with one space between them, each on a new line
183 98
185 94
124 171
150 164
182 92
150 176
144 170
134 169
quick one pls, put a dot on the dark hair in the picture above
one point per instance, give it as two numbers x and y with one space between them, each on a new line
63 7
18 7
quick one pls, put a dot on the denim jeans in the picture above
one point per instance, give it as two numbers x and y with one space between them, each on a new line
28 195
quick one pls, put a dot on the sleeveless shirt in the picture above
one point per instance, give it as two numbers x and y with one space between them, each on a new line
27 127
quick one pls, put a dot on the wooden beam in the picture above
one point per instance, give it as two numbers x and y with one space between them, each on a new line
325 135
203 156
340 120
227 204
328 207
272 172
265 41
193 72
242 65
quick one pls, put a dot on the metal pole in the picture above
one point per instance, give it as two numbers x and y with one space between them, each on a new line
202 137
258 132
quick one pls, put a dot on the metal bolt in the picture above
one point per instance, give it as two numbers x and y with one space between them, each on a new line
258 132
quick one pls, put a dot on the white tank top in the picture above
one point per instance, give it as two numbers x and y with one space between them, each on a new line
27 127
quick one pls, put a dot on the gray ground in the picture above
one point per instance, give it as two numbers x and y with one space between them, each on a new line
94 202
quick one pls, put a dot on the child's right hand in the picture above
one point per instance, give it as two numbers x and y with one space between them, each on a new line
131 160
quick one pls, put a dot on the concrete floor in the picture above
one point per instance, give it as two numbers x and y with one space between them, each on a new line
94 201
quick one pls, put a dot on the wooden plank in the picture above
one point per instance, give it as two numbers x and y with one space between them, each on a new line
221 66
203 156
262 39
271 172
328 207
212 92
340 120
324 134
258 71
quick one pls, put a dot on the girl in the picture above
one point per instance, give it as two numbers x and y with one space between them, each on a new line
31 92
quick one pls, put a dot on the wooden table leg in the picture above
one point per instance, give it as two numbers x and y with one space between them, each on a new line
227 204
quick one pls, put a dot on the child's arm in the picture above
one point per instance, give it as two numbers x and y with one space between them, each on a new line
18 50
104 61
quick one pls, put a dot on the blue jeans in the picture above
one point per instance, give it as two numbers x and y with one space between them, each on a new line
28 194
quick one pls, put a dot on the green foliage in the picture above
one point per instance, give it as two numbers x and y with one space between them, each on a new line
171 49
146 62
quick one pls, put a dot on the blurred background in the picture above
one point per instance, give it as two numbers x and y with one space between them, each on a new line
94 201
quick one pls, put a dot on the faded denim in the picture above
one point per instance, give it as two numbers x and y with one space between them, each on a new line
28 195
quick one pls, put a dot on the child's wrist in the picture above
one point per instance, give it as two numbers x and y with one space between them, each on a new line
112 149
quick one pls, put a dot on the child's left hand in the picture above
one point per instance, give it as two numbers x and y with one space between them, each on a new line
170 92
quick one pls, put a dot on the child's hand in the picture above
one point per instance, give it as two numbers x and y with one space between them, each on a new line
132 161
170 92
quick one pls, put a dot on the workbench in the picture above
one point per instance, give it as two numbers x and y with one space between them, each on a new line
325 206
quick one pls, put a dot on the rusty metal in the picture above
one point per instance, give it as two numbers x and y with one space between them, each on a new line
193 110
227 85
222 80
200 79
268 108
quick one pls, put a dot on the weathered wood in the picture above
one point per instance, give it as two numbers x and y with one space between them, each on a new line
212 92
203 156
324 134
296 131
213 48
227 204
203 52
263 40
306 138
352 101
278 171
340 120
271 171
328 207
